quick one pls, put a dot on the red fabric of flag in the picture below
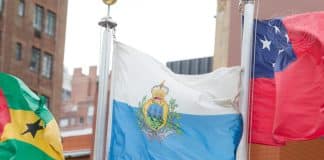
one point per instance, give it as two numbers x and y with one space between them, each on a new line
299 111
4 112
287 91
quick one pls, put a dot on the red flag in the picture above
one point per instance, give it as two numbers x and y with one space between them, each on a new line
299 111
288 79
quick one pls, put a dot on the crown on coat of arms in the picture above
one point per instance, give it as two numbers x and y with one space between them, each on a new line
159 91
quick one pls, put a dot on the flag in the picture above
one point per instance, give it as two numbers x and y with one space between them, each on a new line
157 114
288 79
27 128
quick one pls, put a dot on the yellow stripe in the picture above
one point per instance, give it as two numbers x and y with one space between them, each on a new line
48 140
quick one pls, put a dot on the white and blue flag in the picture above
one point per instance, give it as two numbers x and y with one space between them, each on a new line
159 115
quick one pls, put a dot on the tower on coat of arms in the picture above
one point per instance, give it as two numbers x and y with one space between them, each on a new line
156 116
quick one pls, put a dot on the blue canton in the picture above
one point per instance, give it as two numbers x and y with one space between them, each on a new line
273 50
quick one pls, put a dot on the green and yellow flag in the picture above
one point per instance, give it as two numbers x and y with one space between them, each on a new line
28 131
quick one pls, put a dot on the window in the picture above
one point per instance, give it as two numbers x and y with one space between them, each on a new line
38 18
64 122
18 51
47 66
51 22
66 94
21 8
72 121
81 120
90 114
1 5
34 62
90 110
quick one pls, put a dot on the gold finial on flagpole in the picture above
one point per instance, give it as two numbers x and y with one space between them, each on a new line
109 2
107 21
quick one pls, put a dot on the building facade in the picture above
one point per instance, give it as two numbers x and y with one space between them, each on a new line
78 105
32 38
79 95
227 53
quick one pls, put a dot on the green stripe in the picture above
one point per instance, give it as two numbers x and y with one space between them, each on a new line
17 150
20 97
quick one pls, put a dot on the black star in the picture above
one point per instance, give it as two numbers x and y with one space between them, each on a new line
33 128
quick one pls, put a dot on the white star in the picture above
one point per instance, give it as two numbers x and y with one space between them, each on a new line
287 37
277 30
273 65
280 51
265 43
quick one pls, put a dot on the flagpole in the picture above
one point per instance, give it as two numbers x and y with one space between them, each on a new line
106 49
246 59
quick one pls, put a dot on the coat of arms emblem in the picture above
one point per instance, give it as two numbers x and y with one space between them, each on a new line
156 116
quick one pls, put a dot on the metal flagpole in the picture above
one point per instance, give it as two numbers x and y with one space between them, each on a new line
106 48
246 59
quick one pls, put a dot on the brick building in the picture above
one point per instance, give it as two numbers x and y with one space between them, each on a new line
77 113
227 53
32 37
77 144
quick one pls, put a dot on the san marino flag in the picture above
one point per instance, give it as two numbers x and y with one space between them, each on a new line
158 115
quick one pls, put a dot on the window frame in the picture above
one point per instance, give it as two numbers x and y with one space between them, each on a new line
2 3
50 28
38 21
81 120
64 122
38 57
18 51
21 8
47 66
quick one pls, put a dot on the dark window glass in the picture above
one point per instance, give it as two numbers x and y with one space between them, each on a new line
51 23
47 65
66 95
38 18
81 120
34 61
18 52
1 5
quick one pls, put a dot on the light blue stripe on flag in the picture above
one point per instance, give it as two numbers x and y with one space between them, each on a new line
203 137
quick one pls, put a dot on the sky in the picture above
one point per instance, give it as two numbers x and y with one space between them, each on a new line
167 30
